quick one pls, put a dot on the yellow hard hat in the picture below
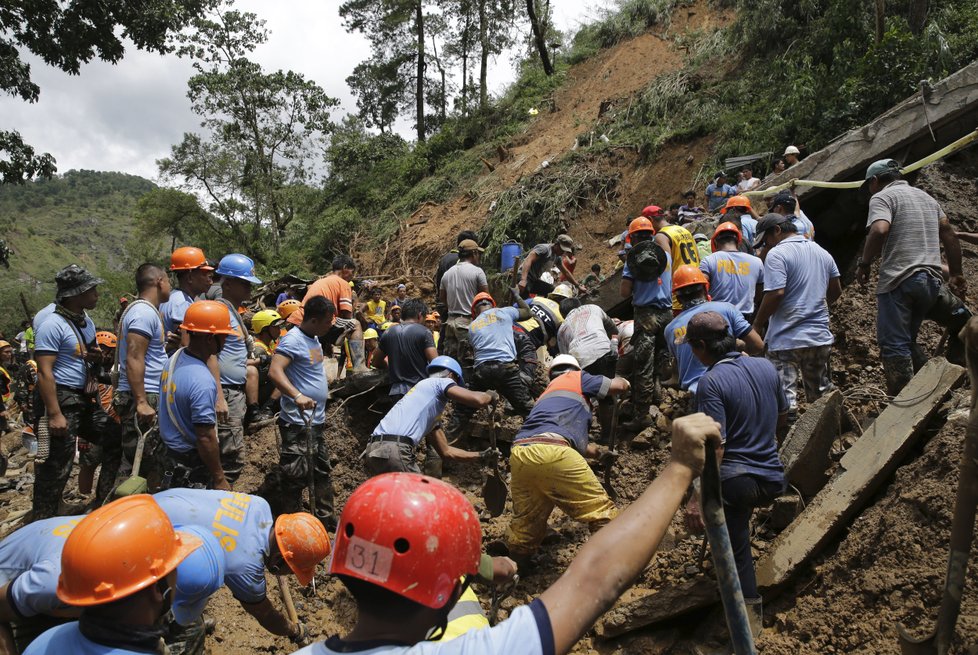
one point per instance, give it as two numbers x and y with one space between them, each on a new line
370 333
264 318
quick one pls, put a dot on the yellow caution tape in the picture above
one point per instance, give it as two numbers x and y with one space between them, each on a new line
929 159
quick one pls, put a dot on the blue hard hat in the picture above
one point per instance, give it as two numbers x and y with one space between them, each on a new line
198 576
239 266
445 362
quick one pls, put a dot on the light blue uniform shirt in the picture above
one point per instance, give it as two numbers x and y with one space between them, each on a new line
653 293
748 228
59 337
734 277
234 356
42 315
491 335
241 522
192 395
415 414
143 320
803 269
68 638
30 559
306 373
174 309
690 368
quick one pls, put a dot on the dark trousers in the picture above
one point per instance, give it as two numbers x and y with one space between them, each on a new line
741 494
86 420
527 360
284 483
503 377
125 407
184 470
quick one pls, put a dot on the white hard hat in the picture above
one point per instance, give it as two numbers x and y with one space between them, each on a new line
564 361
791 150
562 290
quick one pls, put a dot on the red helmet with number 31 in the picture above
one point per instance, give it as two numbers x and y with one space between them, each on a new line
409 534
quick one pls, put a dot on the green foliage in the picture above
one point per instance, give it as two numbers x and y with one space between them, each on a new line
624 20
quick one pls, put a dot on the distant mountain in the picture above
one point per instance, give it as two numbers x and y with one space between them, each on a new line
85 217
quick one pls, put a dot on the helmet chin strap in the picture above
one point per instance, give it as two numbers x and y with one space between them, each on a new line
438 630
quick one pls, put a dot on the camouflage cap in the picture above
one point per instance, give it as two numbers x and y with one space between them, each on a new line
73 280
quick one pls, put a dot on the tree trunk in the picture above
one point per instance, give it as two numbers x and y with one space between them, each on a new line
918 16
419 90
538 38
465 65
880 17
484 55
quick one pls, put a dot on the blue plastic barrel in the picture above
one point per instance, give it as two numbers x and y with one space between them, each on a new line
511 251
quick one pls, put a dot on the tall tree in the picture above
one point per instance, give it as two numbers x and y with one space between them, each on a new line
264 132
67 34
539 27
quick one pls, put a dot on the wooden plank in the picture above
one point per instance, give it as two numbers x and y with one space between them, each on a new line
662 605
805 453
863 469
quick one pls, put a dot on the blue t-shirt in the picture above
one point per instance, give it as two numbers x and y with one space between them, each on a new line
415 414
690 368
744 395
30 559
653 293
42 315
306 373
734 277
234 356
56 336
191 394
565 413
491 335
748 229
803 269
241 522
716 195
68 638
174 309
142 319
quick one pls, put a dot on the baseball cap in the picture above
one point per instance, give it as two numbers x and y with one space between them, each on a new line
699 236
791 150
705 325
720 174
882 167
566 243
766 223
782 199
470 246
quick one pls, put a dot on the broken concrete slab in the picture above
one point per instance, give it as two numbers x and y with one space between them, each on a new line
659 606
863 469
806 449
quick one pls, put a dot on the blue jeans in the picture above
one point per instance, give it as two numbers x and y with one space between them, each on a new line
902 310
741 494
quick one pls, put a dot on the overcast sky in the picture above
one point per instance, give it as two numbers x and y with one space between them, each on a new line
124 117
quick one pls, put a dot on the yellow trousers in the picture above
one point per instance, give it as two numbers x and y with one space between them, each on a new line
545 476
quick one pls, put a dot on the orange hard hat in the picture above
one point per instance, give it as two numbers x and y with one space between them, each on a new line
188 258
686 276
107 339
482 296
286 307
208 316
118 550
736 201
640 224
653 211
725 227
303 542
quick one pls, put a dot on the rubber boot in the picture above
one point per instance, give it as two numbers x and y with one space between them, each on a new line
898 372
755 615
357 355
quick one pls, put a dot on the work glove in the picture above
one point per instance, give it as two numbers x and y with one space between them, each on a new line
489 456
608 458
299 633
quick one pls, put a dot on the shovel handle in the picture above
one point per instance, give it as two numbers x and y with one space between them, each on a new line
137 459
286 596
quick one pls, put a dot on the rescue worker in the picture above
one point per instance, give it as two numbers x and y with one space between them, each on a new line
738 211
285 310
449 259
801 280
24 397
541 258
459 286
908 227
735 277
675 240
432 321
718 191
297 371
237 277
744 395
786 204
254 543
790 155
141 356
370 339
691 286
90 455
194 276
117 566
260 393
538 331
65 346
375 310
393 443
191 454
652 306
390 513
547 459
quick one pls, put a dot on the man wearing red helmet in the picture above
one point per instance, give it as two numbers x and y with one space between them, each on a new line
407 545
675 240
194 277
735 276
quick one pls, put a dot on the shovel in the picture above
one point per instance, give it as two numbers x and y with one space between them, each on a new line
962 525
310 462
612 445
136 484
723 558
494 492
